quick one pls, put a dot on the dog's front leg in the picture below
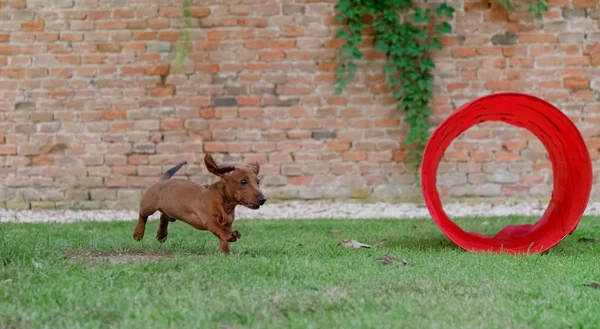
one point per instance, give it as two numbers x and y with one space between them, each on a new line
223 232
224 247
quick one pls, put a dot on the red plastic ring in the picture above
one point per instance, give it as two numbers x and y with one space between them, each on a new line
570 160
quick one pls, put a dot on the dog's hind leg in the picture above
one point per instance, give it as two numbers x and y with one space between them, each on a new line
161 234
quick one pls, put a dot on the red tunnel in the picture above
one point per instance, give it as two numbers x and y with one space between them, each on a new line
570 160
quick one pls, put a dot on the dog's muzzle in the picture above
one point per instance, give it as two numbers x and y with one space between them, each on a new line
262 199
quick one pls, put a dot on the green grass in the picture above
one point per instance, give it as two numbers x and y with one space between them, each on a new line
291 274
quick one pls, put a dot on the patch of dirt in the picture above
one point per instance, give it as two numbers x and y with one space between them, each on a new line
119 258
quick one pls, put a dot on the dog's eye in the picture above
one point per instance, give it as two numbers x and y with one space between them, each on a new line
244 182
258 182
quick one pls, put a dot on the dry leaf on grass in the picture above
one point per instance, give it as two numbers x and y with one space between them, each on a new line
589 240
335 231
354 244
393 260
593 284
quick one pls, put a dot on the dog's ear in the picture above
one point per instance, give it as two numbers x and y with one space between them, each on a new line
212 167
255 167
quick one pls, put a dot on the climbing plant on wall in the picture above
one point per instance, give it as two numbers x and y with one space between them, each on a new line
407 35
183 40
408 43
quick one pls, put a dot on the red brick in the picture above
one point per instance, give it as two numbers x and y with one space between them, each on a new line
506 157
123 13
338 146
133 70
463 52
94 59
576 83
271 55
256 43
294 89
283 44
137 24
248 101
208 68
158 23
354 156
145 35
124 170
162 69
293 31
121 126
109 48
44 160
162 91
114 115
459 156
17 4
168 35
8 150
387 122
14 73
215 147
199 11
111 25
584 3
36 26
9 50
537 38
299 180
172 124
98 14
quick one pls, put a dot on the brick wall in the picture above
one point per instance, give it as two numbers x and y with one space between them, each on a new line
92 111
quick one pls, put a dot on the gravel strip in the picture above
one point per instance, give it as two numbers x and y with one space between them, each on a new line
301 210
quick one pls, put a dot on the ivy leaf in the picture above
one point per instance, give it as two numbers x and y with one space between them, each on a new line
388 69
427 64
356 53
420 16
342 34
422 35
434 44
538 7
444 10
186 4
506 3
443 28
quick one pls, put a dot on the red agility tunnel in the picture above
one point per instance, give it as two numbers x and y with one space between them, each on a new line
571 166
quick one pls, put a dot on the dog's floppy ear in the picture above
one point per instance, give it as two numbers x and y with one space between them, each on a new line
255 167
213 168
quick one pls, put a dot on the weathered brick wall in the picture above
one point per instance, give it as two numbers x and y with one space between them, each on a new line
92 110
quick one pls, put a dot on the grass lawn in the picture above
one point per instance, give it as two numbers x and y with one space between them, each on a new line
290 274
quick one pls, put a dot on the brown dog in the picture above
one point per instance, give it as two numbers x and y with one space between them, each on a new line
205 207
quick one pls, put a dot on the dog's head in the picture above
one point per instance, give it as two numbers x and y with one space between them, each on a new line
241 184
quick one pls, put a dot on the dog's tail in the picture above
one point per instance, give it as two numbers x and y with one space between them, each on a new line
169 173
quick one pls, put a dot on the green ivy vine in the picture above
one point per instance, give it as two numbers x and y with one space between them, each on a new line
407 40
408 44
183 40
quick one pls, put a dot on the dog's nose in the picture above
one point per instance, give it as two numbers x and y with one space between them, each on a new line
262 199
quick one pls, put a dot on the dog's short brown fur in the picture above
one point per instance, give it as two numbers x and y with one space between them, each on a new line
205 207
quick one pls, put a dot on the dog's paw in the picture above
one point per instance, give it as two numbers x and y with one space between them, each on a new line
137 236
236 234
161 238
